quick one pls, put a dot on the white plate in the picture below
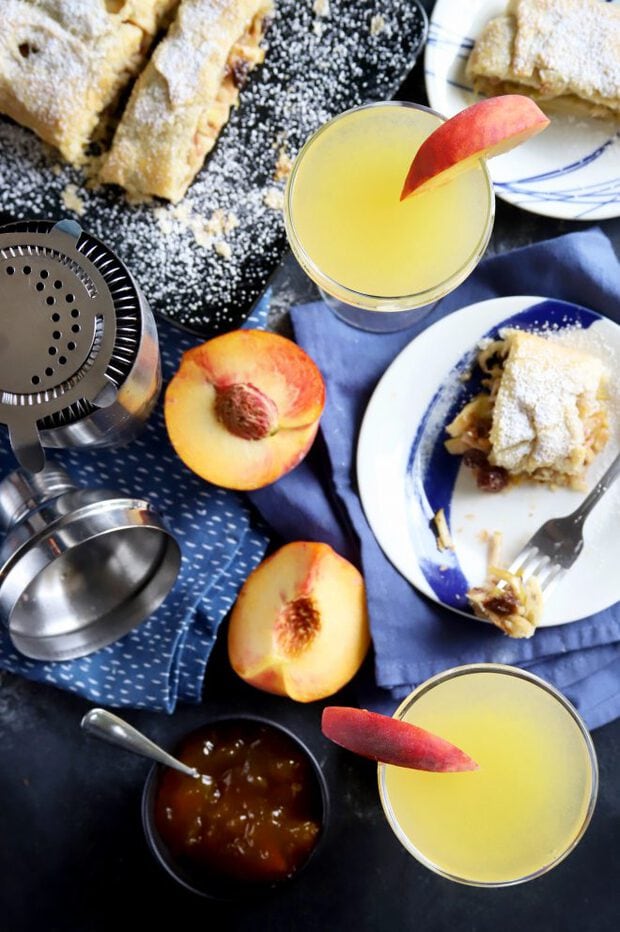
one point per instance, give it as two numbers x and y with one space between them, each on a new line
569 171
405 474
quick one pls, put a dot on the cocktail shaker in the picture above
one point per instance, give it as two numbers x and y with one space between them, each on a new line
79 568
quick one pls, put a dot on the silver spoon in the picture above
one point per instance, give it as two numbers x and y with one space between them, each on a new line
111 728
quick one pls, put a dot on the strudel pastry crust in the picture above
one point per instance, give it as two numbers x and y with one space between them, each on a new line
542 414
62 62
563 53
184 96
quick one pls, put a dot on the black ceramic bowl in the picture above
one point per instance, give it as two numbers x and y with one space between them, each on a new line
196 878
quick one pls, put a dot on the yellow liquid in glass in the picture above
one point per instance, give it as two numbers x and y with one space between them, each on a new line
526 804
346 213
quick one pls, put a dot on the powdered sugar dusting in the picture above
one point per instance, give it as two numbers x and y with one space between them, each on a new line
575 43
304 81
537 418
180 60
67 60
593 341
563 330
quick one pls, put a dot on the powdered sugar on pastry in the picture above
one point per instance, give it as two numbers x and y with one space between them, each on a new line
569 45
197 38
184 96
62 62
541 414
545 396
565 53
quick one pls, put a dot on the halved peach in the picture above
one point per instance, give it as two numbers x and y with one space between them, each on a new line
484 130
244 408
299 627
392 741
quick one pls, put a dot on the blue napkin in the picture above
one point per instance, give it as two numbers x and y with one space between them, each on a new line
164 659
413 637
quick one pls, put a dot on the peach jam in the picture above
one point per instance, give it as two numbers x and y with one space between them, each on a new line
255 813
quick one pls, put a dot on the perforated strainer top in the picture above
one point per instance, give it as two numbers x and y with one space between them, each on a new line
70 327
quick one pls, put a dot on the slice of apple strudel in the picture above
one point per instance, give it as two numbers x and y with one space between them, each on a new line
541 414
184 96
63 62
563 53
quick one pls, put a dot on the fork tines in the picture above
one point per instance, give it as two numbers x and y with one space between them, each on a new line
532 562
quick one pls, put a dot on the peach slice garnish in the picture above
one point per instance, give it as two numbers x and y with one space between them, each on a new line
391 741
244 408
484 130
299 627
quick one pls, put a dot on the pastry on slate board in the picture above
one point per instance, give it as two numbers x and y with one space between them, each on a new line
184 96
64 62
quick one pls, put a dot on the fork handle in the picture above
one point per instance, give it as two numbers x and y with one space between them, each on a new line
607 479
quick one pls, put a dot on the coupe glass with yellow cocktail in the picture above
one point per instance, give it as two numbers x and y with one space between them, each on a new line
531 799
372 255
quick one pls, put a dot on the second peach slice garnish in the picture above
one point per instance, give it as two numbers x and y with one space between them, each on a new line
391 741
244 408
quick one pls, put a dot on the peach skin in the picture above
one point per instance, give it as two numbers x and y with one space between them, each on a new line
299 627
391 741
244 408
484 130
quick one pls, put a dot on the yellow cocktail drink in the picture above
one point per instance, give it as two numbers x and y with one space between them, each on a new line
352 234
532 797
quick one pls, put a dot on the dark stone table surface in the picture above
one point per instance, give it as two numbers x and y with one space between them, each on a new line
73 857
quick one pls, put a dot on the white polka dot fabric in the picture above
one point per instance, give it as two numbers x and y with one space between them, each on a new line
164 659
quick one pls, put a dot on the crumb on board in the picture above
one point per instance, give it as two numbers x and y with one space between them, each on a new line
377 25
221 222
71 199
284 165
223 249
274 198
321 7
209 232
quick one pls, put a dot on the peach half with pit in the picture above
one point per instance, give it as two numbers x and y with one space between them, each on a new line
484 130
299 627
244 408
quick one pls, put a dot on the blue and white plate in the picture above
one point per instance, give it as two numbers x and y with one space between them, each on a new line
569 171
405 474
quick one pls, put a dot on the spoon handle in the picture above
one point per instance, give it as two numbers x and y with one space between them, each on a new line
103 724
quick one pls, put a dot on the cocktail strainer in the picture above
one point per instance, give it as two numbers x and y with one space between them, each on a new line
79 356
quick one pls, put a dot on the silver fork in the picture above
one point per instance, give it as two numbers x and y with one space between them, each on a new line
555 546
